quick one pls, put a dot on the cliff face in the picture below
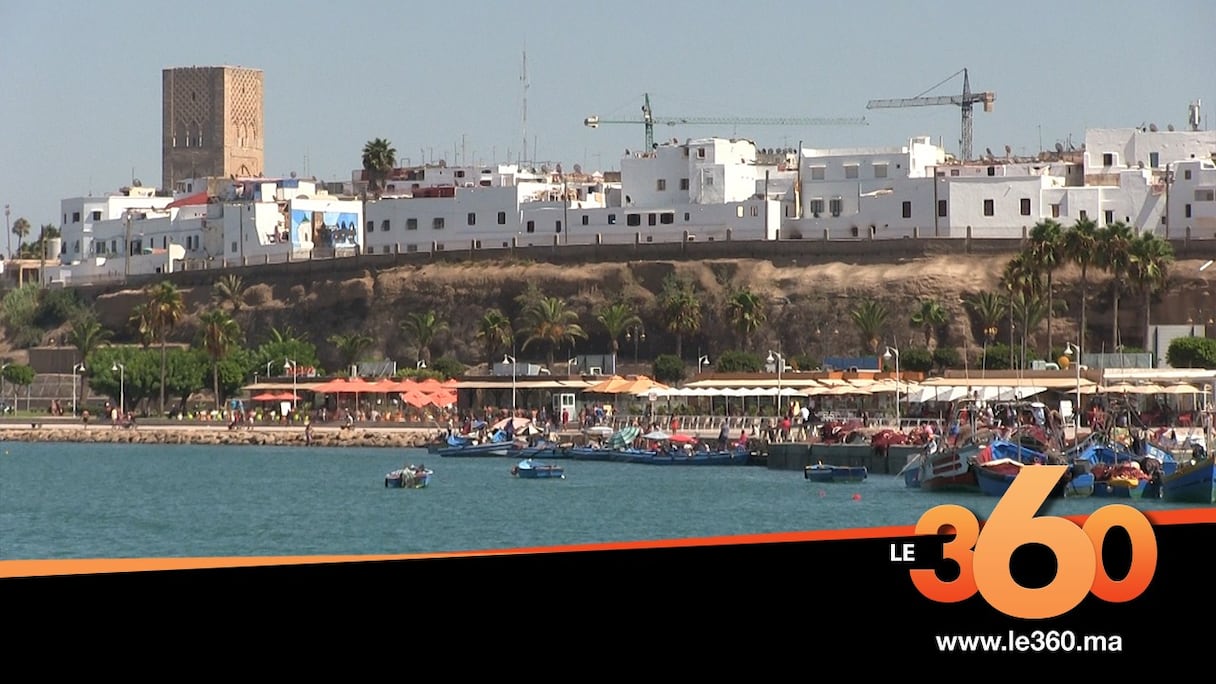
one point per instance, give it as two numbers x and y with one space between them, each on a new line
808 304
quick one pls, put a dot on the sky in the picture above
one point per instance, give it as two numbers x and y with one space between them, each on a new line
80 81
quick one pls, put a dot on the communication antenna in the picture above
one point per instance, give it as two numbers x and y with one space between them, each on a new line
1193 115
523 77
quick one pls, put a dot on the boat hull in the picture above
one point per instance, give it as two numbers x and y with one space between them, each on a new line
1190 484
1120 489
830 474
695 459
477 450
946 472
539 472
401 479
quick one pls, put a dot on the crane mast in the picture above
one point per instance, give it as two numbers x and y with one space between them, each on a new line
966 101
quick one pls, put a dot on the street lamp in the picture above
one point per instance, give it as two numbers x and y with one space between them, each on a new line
780 365
703 361
8 232
122 387
420 365
892 351
1075 352
78 367
511 360
636 334
289 365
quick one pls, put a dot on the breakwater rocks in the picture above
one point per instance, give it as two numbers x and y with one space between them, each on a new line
399 438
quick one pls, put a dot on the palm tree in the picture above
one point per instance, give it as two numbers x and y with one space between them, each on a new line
165 309
616 319
549 322
1021 279
870 317
680 309
745 311
930 316
1047 253
220 334
495 332
87 334
284 335
1081 248
1150 261
989 309
1115 255
140 323
350 346
379 158
422 328
21 228
229 289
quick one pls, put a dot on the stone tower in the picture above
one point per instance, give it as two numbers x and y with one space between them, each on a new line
211 123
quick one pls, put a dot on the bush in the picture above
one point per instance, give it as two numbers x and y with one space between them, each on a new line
669 369
735 361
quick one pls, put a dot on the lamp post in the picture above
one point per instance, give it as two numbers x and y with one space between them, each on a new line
636 334
290 366
774 356
8 232
3 366
122 387
571 363
1074 351
268 365
78 367
420 365
511 360
892 351
703 361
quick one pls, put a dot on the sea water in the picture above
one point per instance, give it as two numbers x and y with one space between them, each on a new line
72 500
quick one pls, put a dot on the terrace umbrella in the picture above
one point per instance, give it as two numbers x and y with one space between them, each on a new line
264 396
285 396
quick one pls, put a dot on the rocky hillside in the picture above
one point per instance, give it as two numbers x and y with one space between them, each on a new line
808 303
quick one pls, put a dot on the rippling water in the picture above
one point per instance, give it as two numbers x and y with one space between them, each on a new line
128 501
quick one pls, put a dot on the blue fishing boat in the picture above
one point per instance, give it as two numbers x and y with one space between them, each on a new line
1193 481
499 444
543 449
529 469
832 473
687 457
619 447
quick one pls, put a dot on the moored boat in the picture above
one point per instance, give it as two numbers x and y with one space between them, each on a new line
498 445
529 469
409 477
1193 481
831 473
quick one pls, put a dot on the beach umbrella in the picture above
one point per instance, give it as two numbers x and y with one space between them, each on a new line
657 435
622 438
286 396
264 396
416 399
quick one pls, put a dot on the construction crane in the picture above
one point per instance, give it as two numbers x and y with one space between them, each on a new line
649 120
966 100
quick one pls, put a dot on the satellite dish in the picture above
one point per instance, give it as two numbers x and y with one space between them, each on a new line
544 168
989 151
1170 127
1152 127
1060 147
443 164
1008 150
559 168
293 175
578 168
137 183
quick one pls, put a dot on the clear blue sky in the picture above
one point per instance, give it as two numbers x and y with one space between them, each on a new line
81 81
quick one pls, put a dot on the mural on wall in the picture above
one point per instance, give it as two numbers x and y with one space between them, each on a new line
324 229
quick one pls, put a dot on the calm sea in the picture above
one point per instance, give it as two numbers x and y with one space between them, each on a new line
129 501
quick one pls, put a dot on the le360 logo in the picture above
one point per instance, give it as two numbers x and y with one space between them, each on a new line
983 556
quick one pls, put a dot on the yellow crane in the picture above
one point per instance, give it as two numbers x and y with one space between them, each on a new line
649 120
965 101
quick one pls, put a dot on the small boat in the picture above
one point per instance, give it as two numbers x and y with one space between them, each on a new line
952 469
532 470
409 477
498 445
686 457
1193 481
542 449
997 475
830 473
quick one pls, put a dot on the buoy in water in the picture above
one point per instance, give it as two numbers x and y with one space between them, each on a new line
857 497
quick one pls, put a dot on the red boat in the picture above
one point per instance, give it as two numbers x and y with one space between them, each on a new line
949 470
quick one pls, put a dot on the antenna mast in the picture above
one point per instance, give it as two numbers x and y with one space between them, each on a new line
524 80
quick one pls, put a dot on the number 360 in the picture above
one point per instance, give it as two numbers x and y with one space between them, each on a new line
984 559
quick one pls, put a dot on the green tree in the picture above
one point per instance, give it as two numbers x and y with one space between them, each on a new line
1149 268
166 308
140 324
1191 352
422 328
18 376
551 324
1115 255
379 158
229 290
929 317
870 317
745 312
668 369
916 359
1081 248
1021 280
616 318
990 310
680 309
495 332
19 309
350 346
21 228
1047 253
87 334
448 367
219 335
187 375
733 361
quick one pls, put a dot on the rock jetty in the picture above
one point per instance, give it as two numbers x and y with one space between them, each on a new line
398 438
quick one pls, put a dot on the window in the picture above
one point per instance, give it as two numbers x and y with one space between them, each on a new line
633 219
411 248
941 208
991 170
755 211
1205 195
1084 215
836 205
371 249
586 219
502 218
96 216
880 170
687 217
411 224
557 228
1154 159
667 218
459 173
700 153
739 211
472 218
907 207
1025 206
531 227
1055 211
1108 159
234 246
437 223
114 247
1186 174
816 207
384 225
1108 216
953 172
1187 211
75 217
850 170
371 225
989 207
707 178
817 173
651 219
76 247
661 185
612 219
683 183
